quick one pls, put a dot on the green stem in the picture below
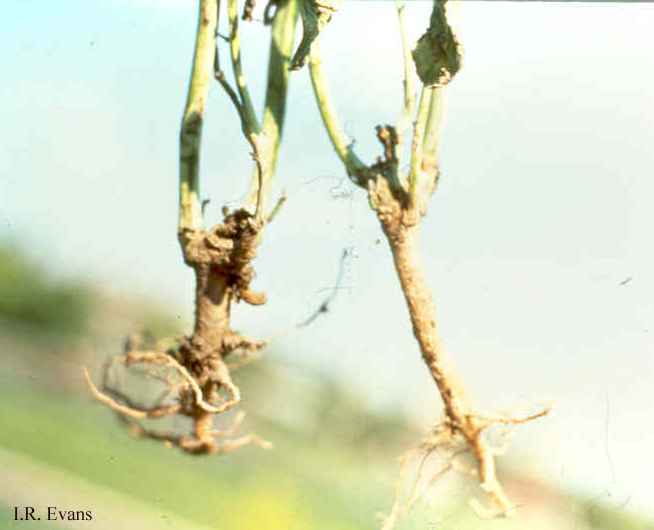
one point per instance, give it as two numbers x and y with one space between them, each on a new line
409 79
190 212
274 112
250 117
343 147
431 141
417 144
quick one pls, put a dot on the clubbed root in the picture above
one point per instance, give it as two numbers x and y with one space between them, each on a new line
196 372
181 396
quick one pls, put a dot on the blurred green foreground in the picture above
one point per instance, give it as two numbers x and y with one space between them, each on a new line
334 464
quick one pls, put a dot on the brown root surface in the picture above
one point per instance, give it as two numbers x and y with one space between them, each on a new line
462 430
194 372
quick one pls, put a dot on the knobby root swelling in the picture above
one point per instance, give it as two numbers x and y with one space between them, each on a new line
195 369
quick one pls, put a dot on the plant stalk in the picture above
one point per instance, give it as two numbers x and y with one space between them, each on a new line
343 147
190 210
281 47
417 294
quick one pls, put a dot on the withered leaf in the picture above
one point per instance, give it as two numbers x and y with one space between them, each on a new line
438 53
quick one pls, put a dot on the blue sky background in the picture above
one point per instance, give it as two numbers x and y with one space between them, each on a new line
544 205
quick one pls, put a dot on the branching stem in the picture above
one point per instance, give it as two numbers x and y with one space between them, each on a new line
400 221
221 258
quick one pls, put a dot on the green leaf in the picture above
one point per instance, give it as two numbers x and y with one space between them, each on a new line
315 14
438 53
